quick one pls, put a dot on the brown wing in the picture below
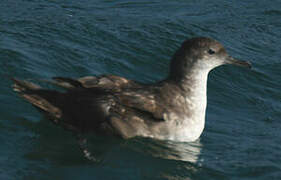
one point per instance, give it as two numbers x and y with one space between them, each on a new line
114 83
143 99
134 112
129 94
117 104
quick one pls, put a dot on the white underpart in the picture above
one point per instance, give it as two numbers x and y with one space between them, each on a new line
191 126
188 127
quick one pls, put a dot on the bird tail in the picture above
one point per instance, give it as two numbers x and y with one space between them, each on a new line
45 100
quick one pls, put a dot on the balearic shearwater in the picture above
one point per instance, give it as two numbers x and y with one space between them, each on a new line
172 109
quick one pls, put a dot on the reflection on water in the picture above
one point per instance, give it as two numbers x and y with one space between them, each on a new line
182 151
185 151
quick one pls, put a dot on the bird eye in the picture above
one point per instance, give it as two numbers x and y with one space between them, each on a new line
210 51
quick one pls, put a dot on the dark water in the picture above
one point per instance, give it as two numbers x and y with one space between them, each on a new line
135 39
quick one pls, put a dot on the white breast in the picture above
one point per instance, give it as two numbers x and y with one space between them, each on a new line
188 127
185 123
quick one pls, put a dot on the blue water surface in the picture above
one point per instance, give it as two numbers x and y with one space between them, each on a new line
40 39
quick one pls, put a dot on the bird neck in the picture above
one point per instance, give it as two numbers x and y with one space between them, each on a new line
194 86
193 89
194 82
195 92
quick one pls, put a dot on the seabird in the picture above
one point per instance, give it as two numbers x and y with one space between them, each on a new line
171 109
